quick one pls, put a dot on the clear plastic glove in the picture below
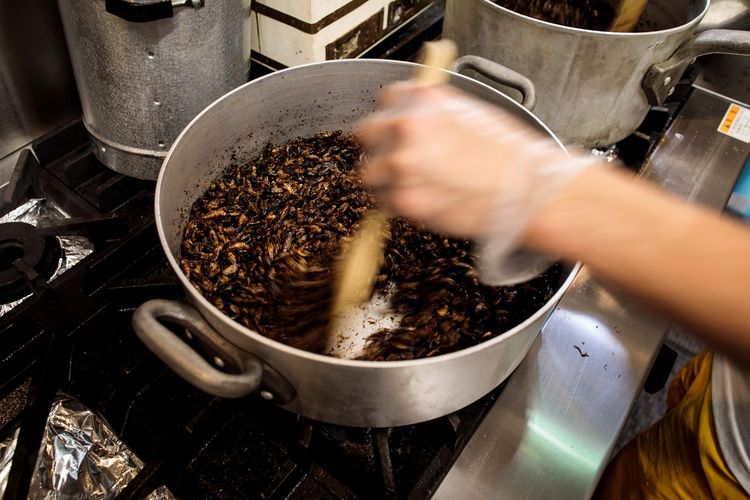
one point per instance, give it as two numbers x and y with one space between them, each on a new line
468 169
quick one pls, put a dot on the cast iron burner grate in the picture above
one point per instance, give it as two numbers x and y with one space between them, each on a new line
26 256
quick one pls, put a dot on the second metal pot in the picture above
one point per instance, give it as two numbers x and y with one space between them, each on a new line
593 88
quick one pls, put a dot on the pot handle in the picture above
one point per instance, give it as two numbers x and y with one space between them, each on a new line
143 11
499 74
184 360
659 82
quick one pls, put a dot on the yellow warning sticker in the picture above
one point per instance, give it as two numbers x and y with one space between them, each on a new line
736 123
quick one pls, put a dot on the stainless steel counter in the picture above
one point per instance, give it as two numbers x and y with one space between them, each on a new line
553 428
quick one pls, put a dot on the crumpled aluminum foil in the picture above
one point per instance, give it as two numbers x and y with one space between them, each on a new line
7 448
74 248
80 457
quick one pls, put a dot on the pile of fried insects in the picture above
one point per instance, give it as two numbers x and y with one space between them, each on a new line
583 14
261 242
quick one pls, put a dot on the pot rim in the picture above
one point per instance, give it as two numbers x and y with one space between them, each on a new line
603 34
196 296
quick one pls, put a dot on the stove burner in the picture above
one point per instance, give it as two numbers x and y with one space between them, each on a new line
25 258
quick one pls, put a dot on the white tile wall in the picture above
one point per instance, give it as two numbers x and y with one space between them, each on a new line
309 11
290 46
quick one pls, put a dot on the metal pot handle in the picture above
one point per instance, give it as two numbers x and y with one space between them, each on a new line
183 359
500 74
143 11
660 80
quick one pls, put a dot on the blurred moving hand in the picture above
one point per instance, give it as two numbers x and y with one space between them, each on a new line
468 169
474 171
465 168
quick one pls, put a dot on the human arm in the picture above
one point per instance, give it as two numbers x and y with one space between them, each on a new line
687 262
451 162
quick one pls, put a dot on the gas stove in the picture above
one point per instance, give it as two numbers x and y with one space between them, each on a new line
79 252
67 344
72 335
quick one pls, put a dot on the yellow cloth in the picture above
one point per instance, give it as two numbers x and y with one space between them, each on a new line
678 457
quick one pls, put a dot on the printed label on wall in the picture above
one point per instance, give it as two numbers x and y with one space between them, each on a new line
736 123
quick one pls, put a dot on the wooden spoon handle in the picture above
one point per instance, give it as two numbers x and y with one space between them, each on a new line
364 257
628 15
435 57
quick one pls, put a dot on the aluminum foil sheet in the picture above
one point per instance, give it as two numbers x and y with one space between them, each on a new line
7 448
74 248
80 457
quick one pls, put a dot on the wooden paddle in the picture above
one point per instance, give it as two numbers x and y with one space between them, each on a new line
358 268
628 15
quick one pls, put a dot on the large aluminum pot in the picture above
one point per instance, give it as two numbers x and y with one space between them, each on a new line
145 68
300 102
593 88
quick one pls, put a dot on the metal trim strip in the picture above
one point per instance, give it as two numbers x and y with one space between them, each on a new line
266 61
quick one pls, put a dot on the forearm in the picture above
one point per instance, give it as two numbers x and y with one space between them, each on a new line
690 263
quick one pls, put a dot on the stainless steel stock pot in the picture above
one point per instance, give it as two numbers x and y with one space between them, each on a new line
593 88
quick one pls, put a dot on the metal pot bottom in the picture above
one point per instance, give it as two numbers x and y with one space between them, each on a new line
133 162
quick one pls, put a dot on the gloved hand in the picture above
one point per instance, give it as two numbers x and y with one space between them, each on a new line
468 169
